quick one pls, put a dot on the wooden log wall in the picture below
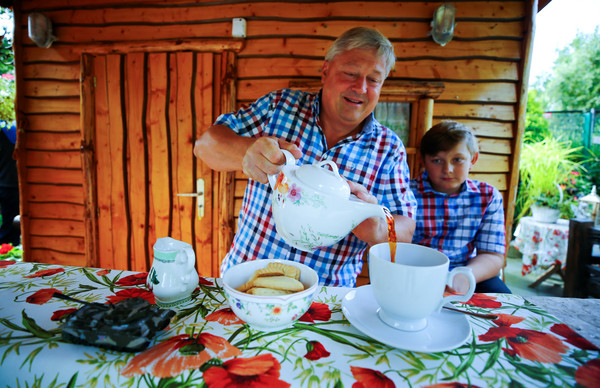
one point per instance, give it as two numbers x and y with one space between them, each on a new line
483 70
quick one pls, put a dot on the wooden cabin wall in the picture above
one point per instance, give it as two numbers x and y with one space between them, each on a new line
482 69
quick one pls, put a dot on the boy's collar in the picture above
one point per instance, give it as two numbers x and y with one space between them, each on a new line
464 187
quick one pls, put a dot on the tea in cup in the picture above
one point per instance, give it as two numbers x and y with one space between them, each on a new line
412 288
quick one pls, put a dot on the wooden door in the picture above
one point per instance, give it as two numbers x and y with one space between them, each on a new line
146 111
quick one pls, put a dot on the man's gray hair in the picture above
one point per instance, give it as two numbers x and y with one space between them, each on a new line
364 38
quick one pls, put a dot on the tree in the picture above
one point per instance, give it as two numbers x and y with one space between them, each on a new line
575 84
536 125
6 49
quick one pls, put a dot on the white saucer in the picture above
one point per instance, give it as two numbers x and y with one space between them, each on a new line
445 330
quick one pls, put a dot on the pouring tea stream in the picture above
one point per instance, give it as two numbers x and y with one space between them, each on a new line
313 207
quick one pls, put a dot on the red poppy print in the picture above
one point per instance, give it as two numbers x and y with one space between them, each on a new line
588 374
180 353
254 372
103 272
131 293
316 312
529 344
45 272
369 378
6 263
507 320
205 282
315 351
485 301
5 248
133 280
225 317
572 337
42 296
59 314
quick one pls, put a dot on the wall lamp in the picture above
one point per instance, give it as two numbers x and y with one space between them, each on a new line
40 30
442 25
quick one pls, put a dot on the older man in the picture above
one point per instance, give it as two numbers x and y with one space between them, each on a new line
335 124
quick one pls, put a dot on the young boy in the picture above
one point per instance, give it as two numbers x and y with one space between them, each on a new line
458 216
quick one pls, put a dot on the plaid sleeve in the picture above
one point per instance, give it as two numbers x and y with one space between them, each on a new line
396 194
491 235
250 119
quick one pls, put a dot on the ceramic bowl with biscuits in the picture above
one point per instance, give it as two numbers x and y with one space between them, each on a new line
269 294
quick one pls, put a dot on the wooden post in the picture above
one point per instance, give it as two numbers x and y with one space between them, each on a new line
576 262
87 160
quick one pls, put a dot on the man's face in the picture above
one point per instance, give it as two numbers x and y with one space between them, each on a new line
449 169
351 85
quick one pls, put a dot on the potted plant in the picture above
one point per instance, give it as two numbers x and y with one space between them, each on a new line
547 167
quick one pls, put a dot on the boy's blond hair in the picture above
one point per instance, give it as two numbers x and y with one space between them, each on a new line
445 135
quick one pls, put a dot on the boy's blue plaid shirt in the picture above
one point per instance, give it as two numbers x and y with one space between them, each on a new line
375 158
459 224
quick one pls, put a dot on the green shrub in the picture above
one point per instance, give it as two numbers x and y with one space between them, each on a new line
7 97
544 167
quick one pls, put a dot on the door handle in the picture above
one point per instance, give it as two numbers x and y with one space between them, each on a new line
199 194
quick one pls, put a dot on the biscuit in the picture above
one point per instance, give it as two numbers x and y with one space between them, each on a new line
287 270
279 283
267 271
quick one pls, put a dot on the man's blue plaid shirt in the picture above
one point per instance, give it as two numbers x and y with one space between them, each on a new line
375 158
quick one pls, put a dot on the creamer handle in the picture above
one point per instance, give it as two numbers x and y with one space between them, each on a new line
289 161
191 262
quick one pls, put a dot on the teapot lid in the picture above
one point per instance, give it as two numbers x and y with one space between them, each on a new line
318 177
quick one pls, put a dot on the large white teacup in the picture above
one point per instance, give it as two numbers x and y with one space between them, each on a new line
412 288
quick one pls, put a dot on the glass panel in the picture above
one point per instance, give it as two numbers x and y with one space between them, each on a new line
395 116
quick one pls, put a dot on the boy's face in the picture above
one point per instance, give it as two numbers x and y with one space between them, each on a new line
449 169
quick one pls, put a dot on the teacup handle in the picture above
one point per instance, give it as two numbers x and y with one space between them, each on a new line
289 161
455 297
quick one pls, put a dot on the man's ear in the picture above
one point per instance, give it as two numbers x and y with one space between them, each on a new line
324 70
474 159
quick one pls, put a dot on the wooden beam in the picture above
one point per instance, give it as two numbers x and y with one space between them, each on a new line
390 88
166 45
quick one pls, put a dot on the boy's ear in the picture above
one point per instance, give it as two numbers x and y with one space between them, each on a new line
474 159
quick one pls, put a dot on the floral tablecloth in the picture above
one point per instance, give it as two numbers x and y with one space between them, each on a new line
542 244
206 345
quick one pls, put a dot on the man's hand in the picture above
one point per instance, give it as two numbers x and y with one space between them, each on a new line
264 157
372 229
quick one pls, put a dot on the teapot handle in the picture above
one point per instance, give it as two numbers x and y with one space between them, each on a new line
289 161
331 164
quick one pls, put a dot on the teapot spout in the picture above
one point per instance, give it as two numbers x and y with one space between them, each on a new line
361 210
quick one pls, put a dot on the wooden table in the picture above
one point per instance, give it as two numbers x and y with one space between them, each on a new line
206 343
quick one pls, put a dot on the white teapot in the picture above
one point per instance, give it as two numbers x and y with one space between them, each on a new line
172 277
312 205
